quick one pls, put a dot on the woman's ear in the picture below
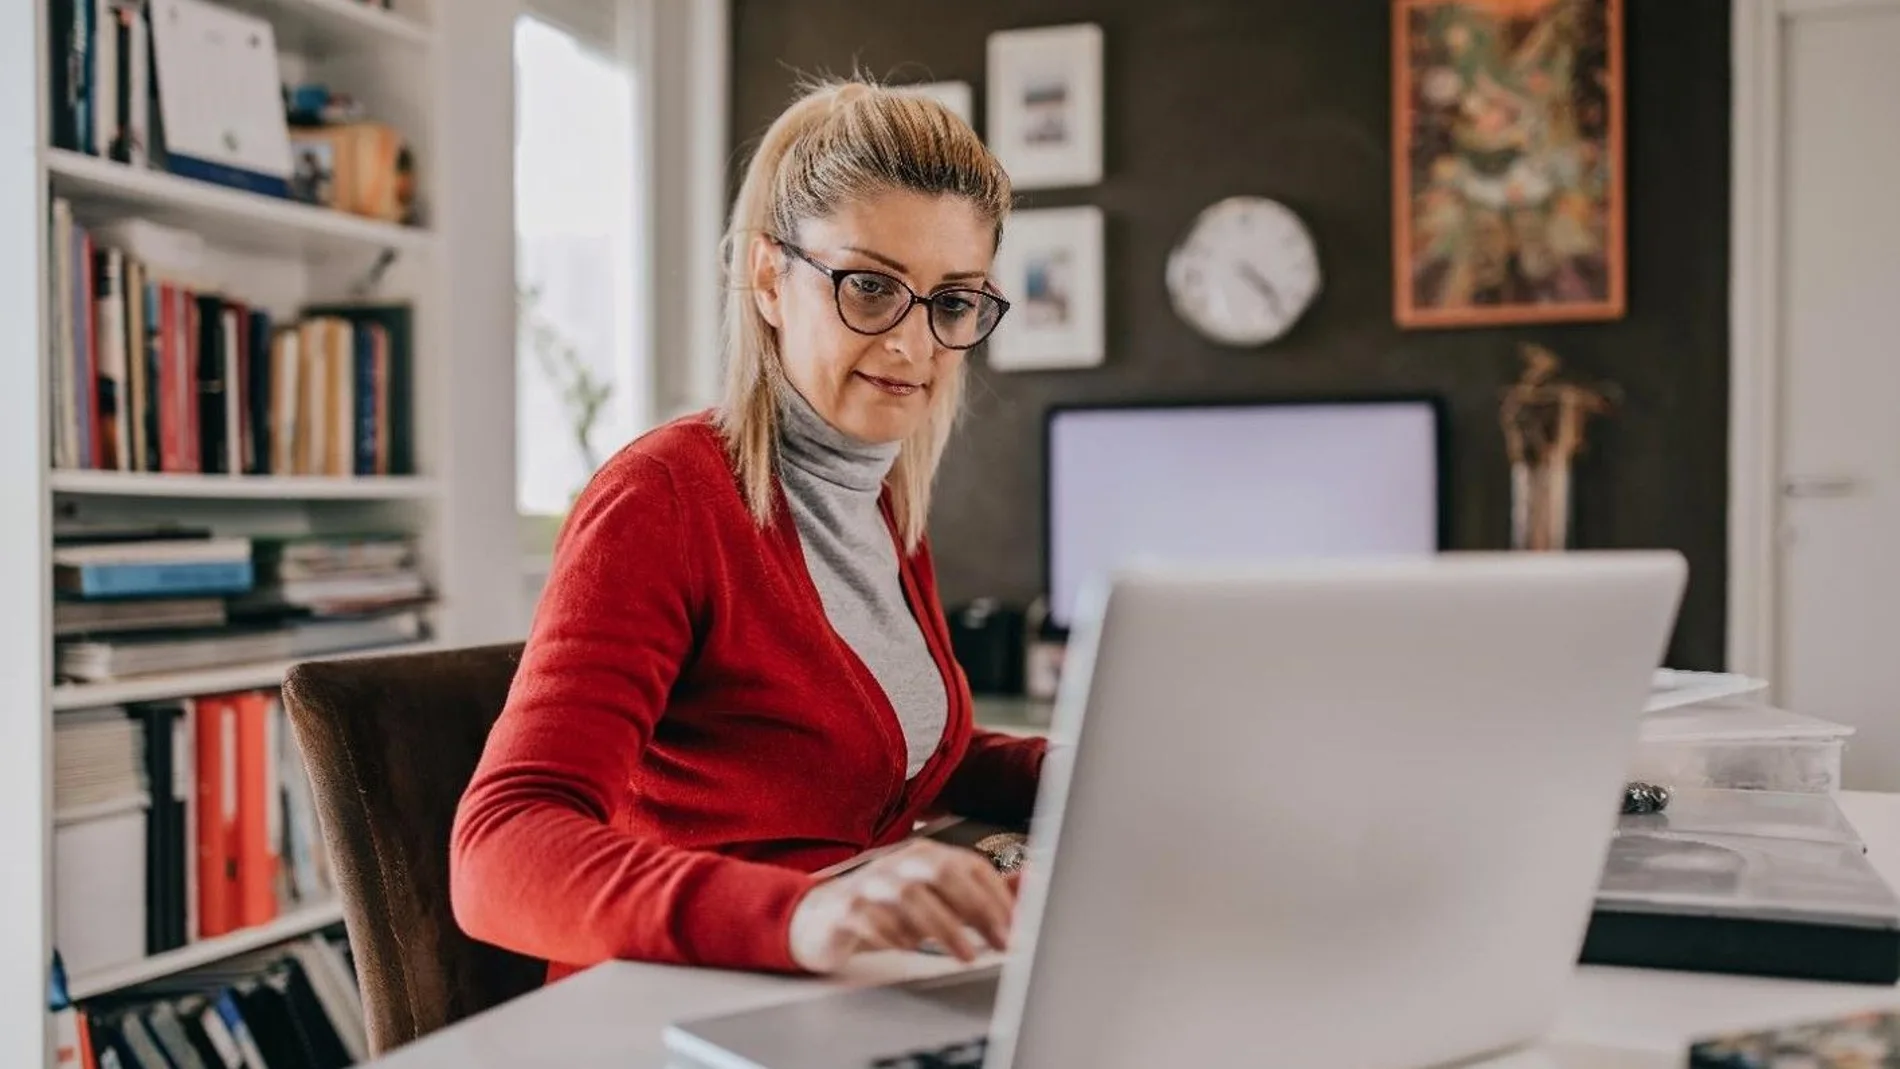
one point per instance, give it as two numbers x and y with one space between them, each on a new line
765 279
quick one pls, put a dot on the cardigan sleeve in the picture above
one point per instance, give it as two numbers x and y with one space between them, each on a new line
538 862
997 779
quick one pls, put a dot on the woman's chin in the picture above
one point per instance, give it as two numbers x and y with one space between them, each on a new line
882 423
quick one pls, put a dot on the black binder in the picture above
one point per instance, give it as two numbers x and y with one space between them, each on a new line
1753 882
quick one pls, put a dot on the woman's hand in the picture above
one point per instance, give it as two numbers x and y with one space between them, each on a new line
921 891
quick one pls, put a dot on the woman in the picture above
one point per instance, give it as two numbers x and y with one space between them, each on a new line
739 673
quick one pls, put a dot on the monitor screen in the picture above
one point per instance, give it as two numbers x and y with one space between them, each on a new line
1236 481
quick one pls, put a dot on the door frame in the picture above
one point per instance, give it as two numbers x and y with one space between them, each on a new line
1758 35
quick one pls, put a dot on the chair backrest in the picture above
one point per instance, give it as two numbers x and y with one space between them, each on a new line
391 743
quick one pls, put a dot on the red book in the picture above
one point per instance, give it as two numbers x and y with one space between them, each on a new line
257 824
194 345
165 389
215 722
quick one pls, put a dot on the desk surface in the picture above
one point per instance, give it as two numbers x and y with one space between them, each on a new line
613 1014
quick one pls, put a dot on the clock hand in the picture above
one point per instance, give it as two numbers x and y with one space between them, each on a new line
1266 288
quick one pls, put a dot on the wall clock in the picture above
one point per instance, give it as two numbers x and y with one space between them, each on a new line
1244 271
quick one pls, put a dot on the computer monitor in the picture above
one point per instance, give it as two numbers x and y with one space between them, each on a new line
1226 480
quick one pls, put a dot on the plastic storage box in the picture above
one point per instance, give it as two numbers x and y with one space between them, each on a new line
1740 746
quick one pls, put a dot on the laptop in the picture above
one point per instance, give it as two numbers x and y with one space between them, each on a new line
1341 813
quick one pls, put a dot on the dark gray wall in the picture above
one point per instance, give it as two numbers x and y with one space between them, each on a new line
1292 99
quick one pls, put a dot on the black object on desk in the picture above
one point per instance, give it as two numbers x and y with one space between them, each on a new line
987 638
1758 883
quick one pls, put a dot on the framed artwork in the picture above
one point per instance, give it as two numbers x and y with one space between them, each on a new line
1050 268
956 96
1043 105
1508 165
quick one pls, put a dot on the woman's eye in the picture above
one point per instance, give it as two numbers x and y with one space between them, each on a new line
870 286
954 305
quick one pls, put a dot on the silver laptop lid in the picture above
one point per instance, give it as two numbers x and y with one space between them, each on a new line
1346 813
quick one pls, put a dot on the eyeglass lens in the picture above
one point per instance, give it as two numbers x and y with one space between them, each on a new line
872 302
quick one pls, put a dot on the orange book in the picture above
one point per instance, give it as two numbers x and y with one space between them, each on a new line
215 722
257 812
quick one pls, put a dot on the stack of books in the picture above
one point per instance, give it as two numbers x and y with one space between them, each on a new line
101 807
150 373
144 600
296 1007
102 104
332 576
179 821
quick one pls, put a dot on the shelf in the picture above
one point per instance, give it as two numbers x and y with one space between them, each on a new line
318 28
207 681
227 218
242 487
206 952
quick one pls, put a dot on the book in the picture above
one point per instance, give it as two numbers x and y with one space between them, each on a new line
146 372
1855 1041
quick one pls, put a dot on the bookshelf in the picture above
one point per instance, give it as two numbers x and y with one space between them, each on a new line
323 27
236 221
205 952
444 84
243 487
208 681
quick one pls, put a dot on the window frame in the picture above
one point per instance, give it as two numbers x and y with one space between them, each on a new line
677 52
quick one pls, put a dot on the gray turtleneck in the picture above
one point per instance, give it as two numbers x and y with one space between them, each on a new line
832 483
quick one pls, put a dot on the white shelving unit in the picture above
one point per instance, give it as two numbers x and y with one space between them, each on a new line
207 681
439 71
206 952
333 26
236 220
242 487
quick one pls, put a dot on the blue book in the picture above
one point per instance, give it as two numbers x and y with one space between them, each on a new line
175 579
225 175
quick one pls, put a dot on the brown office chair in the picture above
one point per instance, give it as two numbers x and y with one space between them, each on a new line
391 742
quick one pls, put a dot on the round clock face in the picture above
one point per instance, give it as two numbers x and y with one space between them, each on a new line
1244 272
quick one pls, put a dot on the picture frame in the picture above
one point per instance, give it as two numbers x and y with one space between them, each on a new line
1043 105
1050 267
958 97
1508 192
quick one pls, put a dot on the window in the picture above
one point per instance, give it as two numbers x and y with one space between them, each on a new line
581 384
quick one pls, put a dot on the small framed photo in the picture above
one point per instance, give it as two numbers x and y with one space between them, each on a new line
1044 105
958 97
1050 268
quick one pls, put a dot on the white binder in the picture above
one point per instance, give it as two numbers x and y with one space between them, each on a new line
220 97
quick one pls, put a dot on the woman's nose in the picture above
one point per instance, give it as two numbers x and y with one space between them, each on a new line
911 337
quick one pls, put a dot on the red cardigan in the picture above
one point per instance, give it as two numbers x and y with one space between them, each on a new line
687 737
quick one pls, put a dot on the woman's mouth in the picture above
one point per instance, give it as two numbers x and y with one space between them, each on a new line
894 387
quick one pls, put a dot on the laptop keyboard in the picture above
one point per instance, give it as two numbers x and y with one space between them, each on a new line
965 1055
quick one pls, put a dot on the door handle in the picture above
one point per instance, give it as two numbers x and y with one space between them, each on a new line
1820 486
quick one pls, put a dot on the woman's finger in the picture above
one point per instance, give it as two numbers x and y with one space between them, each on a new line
980 897
926 910
882 926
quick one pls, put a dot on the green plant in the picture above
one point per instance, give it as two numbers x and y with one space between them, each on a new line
583 393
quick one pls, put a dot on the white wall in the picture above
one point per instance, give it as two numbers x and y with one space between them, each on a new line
475 216
684 50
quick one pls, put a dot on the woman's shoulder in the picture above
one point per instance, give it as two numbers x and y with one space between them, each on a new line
684 457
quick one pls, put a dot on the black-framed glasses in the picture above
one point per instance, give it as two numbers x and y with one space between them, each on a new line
872 302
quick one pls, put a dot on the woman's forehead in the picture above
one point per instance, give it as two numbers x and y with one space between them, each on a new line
928 236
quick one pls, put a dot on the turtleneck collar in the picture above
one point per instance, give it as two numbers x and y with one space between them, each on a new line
812 445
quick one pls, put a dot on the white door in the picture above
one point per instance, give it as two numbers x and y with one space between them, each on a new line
1840 378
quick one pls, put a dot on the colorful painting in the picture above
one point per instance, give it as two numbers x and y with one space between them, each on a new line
1507 161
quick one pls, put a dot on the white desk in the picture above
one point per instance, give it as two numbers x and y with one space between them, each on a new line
613 1014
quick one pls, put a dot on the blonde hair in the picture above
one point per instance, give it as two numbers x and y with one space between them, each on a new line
840 141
